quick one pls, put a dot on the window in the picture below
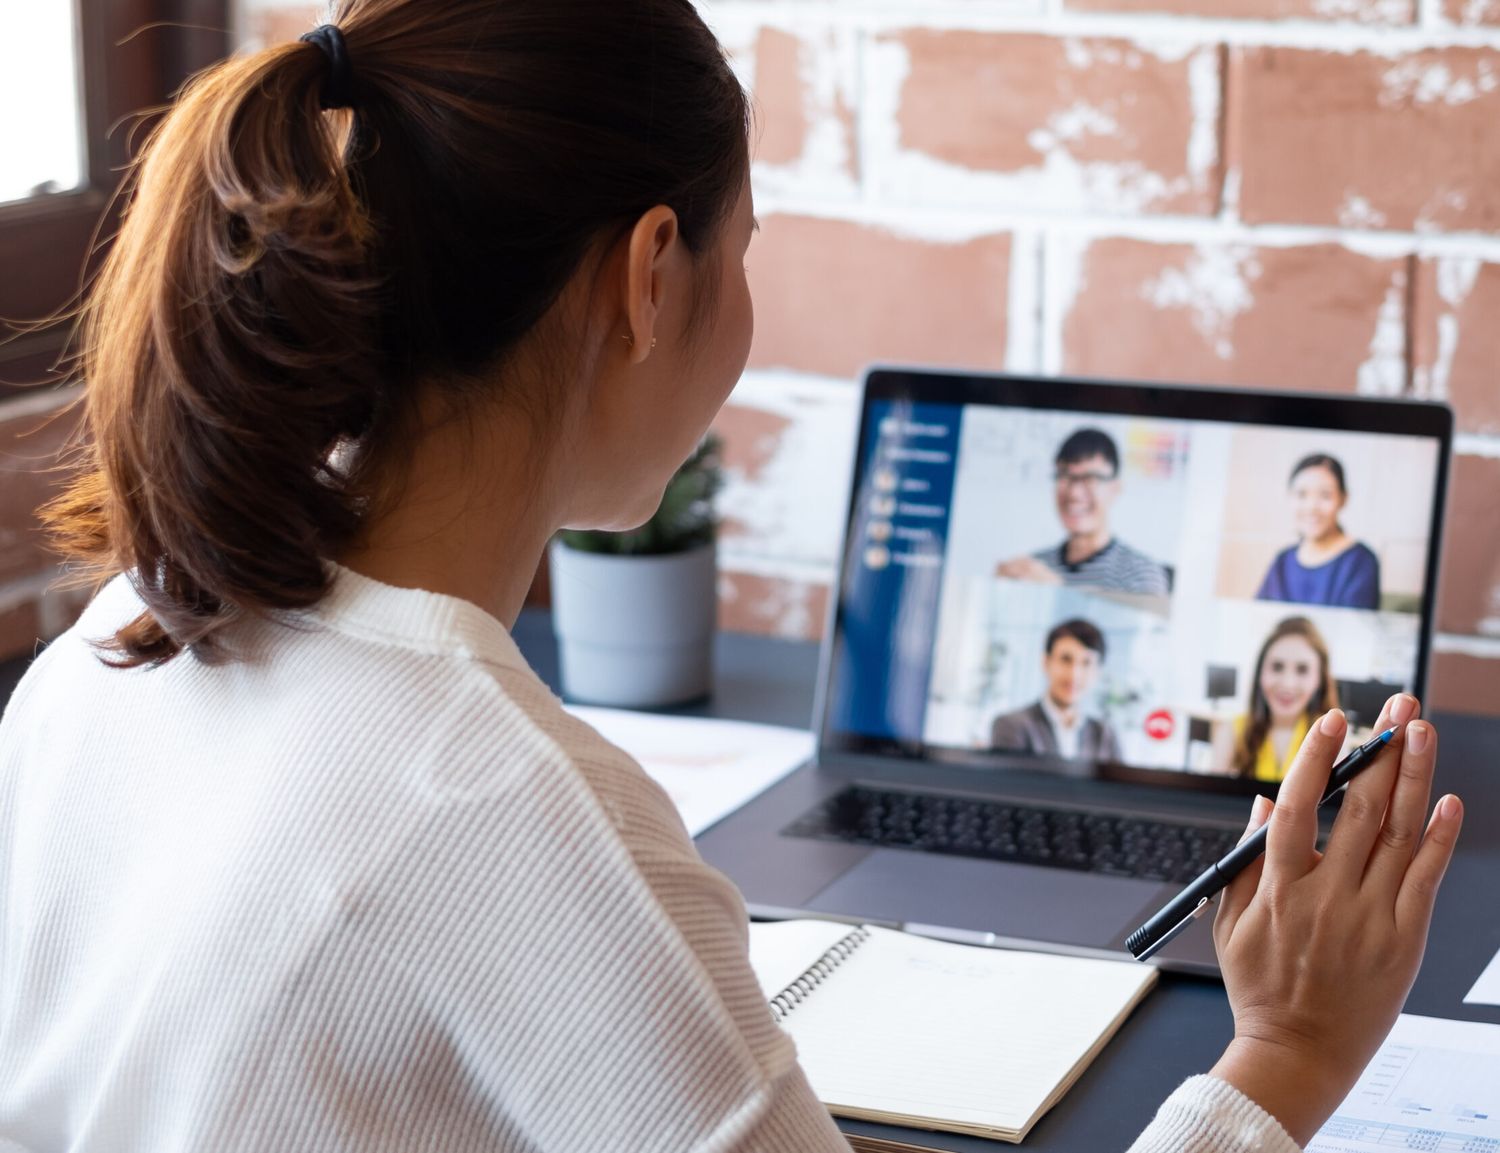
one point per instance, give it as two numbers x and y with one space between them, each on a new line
43 151
73 74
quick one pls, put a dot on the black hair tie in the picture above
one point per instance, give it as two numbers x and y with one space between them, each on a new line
338 83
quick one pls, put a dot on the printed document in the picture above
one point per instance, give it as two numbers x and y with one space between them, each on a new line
1434 1085
1486 990
708 767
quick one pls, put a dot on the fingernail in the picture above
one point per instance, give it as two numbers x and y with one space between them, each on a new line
1449 808
1416 736
1258 808
1332 724
1403 708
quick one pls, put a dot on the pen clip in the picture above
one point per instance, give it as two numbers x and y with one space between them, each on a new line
1155 947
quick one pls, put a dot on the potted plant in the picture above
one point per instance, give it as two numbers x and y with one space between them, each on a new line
635 611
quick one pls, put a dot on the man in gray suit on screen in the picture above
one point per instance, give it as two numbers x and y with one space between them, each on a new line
1056 725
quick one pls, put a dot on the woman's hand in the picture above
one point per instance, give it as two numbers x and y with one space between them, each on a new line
1320 950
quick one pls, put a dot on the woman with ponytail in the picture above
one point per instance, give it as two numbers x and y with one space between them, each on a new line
295 850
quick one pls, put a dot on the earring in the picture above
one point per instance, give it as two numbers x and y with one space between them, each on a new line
629 339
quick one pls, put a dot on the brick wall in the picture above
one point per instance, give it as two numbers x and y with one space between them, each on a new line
1290 193
1296 193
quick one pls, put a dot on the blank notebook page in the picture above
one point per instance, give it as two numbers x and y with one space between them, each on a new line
989 1038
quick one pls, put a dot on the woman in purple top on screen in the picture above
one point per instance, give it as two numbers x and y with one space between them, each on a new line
1327 566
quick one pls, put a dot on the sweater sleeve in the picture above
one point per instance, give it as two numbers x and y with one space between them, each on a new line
1206 1115
533 960
701 1062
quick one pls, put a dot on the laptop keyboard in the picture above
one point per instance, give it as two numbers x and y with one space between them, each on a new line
1122 846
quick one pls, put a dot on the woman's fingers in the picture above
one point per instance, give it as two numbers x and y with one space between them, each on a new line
1400 709
1420 885
1291 846
1368 800
1406 813
1235 898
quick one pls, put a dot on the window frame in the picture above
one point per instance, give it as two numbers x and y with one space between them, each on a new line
133 55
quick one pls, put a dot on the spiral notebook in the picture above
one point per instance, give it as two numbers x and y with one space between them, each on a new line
905 1030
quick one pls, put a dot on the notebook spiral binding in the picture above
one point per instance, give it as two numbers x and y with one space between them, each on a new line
816 973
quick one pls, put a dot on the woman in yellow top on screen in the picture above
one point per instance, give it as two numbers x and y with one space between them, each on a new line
1292 687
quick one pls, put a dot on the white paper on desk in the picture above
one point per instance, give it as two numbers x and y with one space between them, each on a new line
708 767
1434 1084
1486 990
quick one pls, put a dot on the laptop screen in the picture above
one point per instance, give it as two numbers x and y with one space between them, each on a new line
1129 581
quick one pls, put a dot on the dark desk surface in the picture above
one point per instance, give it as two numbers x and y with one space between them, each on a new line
1183 1026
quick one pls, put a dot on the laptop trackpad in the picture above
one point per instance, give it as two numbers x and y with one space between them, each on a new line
987 896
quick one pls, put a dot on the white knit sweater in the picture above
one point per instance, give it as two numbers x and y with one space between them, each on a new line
370 888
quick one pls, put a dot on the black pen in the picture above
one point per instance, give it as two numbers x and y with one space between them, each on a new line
1190 904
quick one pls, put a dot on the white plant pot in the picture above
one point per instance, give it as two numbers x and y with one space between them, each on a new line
635 631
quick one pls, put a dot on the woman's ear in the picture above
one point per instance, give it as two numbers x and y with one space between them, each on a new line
654 244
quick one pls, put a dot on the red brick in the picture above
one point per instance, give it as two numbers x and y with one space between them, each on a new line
1455 340
831 296
32 431
804 138
1464 684
771 606
20 629
788 443
780 98
1469 582
1472 12
1363 140
752 437
1353 11
1301 318
1098 124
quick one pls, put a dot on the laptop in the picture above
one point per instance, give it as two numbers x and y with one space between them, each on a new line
1077 625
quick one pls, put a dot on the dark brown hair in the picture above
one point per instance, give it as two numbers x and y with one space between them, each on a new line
1087 443
1084 632
1320 460
1258 724
286 277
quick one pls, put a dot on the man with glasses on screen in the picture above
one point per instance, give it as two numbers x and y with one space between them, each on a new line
1087 480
